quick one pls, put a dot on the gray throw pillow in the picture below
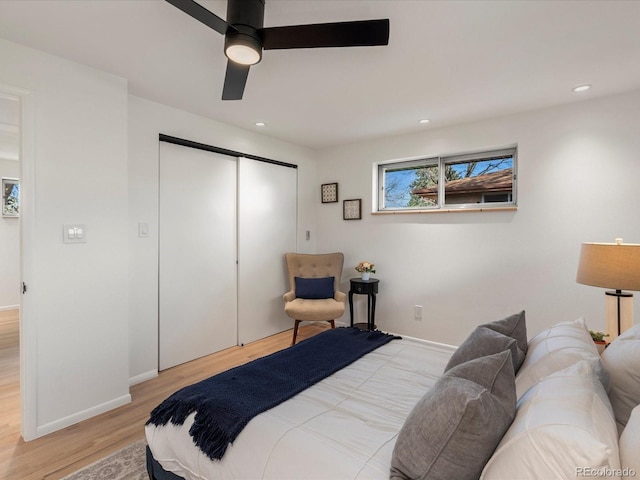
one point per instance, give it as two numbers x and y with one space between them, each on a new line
453 430
484 341
513 326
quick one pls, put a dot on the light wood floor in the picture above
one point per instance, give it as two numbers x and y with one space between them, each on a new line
61 453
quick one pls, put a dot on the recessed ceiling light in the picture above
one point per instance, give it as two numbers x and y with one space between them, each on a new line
581 88
424 120
260 124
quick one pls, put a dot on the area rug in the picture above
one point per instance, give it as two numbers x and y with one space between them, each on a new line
128 463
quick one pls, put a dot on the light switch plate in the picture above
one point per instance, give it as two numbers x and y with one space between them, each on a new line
74 233
143 229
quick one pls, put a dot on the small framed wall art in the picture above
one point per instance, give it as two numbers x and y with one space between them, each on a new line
351 209
10 197
329 192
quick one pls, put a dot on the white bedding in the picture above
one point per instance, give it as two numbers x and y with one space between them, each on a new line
344 427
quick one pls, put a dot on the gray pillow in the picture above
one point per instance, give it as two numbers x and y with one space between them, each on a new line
513 326
484 341
453 430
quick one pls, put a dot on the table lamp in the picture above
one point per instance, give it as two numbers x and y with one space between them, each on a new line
616 266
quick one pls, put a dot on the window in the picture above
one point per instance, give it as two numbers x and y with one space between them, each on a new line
475 180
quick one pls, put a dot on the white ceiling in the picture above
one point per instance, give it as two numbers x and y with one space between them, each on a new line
449 61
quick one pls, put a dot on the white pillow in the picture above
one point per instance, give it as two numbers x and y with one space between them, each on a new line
564 428
555 349
630 443
622 359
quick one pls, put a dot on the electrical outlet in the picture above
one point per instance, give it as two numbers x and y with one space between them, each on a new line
417 313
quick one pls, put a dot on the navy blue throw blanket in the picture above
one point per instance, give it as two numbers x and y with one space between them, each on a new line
226 402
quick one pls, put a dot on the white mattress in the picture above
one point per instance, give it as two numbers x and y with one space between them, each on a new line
343 427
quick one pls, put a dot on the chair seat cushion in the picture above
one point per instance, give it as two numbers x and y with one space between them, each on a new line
314 310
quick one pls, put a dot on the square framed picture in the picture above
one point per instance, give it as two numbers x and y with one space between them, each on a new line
352 209
329 193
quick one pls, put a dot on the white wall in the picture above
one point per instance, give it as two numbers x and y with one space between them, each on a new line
77 330
10 251
578 174
146 121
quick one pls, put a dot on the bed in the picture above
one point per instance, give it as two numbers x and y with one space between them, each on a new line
383 415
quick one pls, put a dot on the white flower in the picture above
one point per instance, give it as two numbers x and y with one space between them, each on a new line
366 267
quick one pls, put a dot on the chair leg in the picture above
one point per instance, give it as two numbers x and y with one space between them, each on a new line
333 323
295 332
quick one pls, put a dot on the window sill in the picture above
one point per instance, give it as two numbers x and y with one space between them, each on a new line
447 210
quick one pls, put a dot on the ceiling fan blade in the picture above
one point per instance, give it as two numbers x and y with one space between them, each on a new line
234 81
363 33
197 11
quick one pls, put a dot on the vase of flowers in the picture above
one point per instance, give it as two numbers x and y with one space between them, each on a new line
366 269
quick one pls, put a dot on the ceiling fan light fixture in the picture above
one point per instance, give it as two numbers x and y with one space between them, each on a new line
243 49
245 36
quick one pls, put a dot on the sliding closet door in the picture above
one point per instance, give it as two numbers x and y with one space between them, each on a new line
267 213
197 264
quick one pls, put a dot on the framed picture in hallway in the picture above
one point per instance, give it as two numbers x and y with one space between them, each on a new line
10 197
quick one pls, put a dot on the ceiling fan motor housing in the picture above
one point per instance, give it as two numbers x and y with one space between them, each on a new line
246 17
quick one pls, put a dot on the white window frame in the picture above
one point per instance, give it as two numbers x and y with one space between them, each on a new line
384 167
442 161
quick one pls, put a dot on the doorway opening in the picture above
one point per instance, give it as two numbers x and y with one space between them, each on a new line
10 248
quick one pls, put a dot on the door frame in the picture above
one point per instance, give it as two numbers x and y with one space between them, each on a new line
28 330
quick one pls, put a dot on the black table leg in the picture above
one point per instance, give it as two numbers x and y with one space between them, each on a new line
351 306
373 312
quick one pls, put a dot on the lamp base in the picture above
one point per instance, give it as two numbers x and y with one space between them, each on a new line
619 312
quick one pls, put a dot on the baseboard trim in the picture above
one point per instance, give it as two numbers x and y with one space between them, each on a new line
83 415
9 307
143 377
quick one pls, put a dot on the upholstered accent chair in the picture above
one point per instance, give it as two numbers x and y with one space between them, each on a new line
314 294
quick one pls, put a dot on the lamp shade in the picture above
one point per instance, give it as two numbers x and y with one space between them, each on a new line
610 265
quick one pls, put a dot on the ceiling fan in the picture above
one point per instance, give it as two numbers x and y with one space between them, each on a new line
245 36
